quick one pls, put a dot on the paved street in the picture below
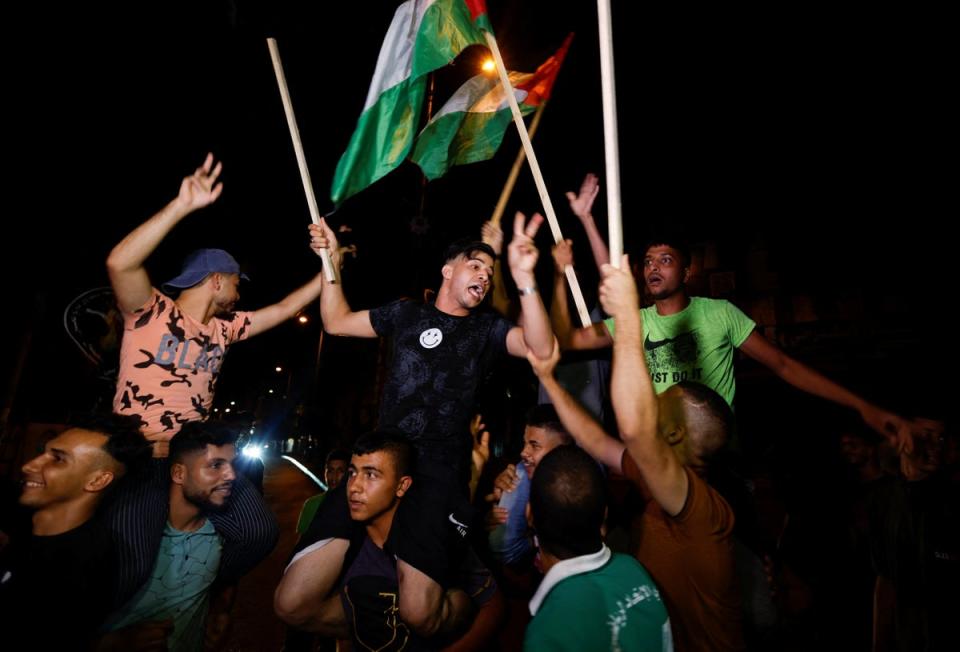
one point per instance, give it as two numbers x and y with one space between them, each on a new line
255 627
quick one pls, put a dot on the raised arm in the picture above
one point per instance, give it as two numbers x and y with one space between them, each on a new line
272 315
129 279
338 318
582 206
578 422
595 336
522 254
631 392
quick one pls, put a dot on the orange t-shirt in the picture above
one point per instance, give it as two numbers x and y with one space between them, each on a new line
169 364
690 557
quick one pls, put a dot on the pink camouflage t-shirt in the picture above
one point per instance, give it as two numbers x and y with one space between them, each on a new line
169 365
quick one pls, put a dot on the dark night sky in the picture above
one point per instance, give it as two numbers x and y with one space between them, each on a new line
821 133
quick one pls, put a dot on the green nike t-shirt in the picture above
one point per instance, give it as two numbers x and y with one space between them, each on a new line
695 344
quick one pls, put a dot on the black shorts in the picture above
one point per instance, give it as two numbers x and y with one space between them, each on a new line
429 531
431 528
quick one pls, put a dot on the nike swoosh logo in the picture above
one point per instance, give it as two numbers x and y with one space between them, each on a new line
651 345
455 521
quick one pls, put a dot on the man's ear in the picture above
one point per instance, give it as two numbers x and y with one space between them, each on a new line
447 271
99 481
676 435
178 471
404 485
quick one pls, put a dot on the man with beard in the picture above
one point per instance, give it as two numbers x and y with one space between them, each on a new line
173 348
171 609
174 344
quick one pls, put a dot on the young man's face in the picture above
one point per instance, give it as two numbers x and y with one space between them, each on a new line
469 279
663 271
373 485
65 469
537 442
207 476
333 473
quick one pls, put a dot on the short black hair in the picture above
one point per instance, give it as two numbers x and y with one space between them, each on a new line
468 248
195 436
545 416
567 500
396 445
337 454
673 240
125 443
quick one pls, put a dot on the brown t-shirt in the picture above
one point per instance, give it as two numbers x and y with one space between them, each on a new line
169 364
690 557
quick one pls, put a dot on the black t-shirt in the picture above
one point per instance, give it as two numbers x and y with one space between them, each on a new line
56 590
371 601
438 363
369 592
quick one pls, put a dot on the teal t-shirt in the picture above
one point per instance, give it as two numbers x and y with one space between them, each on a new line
614 607
179 586
695 344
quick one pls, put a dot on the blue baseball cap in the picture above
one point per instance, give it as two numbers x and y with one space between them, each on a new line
200 264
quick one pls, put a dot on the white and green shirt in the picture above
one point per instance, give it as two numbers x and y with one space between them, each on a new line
600 601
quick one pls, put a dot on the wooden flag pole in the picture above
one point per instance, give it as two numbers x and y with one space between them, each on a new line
329 272
515 170
538 178
611 147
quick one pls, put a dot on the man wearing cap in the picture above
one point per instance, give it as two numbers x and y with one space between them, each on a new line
172 349
170 358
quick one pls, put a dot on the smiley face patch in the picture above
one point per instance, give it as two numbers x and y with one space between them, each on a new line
430 338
